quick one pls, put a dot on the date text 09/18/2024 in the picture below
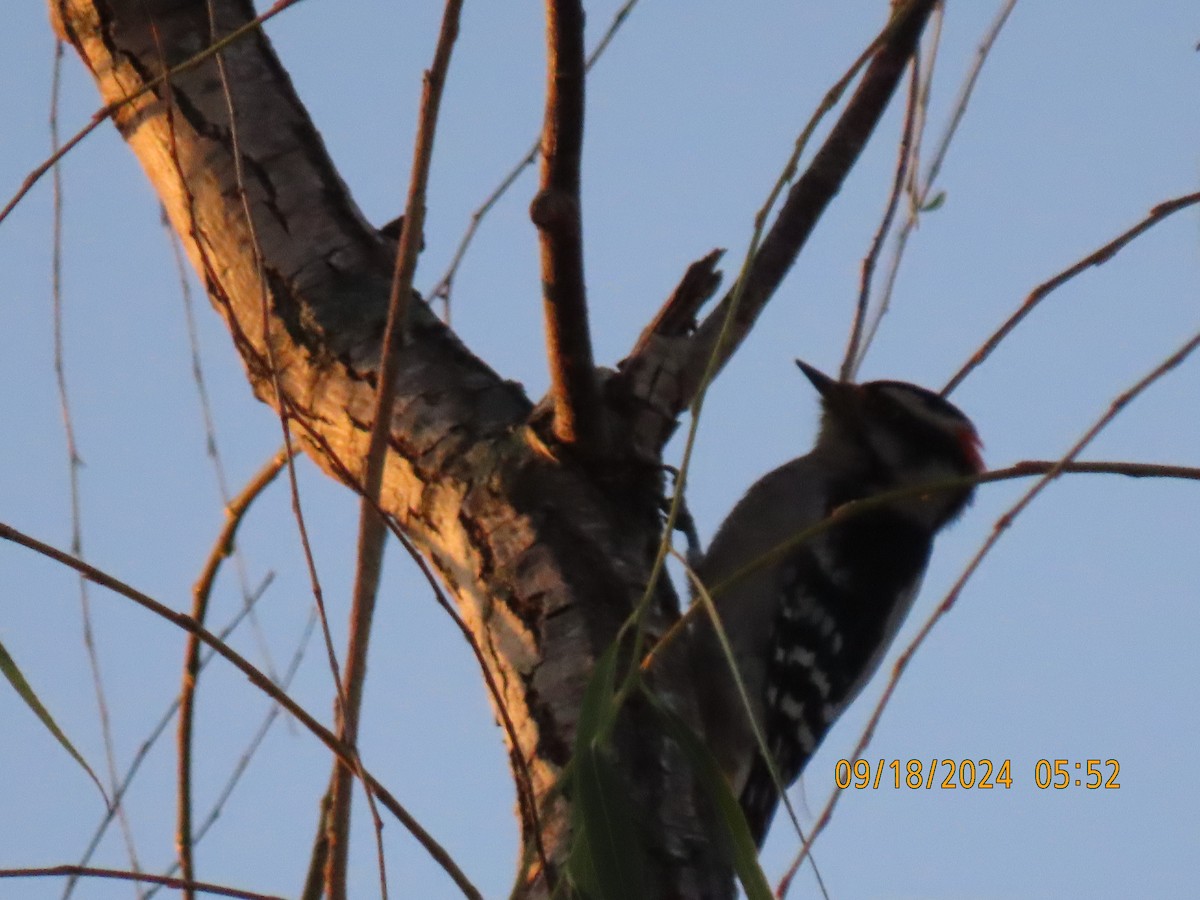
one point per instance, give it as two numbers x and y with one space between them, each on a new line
977 774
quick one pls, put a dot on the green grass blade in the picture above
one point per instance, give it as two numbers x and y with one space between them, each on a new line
8 667
607 854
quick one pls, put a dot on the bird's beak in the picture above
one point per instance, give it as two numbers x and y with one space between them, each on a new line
830 390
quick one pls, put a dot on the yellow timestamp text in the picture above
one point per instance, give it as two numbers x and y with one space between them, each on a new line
973 774
945 774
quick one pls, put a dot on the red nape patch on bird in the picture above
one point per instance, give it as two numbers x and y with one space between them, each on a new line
971 445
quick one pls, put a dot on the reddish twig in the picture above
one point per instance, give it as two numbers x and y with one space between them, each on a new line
260 681
556 212
183 884
919 193
370 525
106 112
235 511
1039 293
442 289
903 160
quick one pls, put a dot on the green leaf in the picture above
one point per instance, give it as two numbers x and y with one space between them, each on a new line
612 866
745 853
596 710
607 854
9 667
935 202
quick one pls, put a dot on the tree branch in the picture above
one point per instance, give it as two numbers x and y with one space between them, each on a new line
904 159
1039 293
556 212
543 558
234 513
683 368
441 290
185 884
257 678
371 530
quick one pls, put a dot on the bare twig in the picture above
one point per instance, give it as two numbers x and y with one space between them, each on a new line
704 599
1039 293
808 197
259 680
239 769
235 511
919 193
854 508
903 159
1001 525
370 526
106 112
155 733
74 462
212 447
442 289
75 872
557 213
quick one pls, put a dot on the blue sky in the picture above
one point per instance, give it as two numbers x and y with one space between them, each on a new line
1075 639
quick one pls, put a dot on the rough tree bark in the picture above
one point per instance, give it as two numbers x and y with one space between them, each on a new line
546 550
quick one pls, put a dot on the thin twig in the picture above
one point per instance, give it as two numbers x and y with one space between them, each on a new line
212 447
75 462
284 682
75 872
152 738
704 599
1039 293
1001 525
903 158
235 512
524 780
854 508
106 112
442 289
256 678
557 213
920 194
924 91
370 526
525 792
